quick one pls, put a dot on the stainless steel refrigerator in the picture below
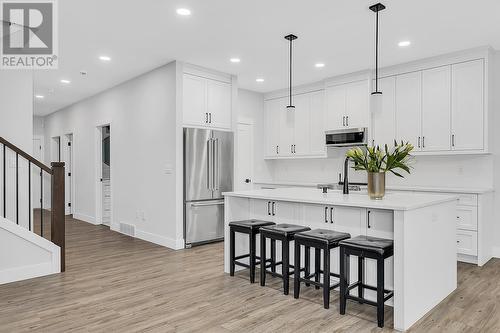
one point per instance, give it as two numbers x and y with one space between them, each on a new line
208 172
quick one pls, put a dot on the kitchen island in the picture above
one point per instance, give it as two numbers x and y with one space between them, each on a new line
423 270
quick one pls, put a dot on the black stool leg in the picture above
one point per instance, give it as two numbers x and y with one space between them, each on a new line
344 278
262 260
361 276
380 291
231 252
326 278
317 265
273 255
286 265
307 262
296 273
252 256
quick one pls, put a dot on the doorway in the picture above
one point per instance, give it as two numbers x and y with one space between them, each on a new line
104 205
244 159
68 181
55 149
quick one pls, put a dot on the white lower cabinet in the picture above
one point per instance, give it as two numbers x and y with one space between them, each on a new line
467 242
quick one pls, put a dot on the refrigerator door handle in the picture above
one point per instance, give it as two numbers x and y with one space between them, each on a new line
216 178
206 203
209 164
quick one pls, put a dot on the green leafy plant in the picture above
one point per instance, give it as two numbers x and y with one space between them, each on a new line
374 159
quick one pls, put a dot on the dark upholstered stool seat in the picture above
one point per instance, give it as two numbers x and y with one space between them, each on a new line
285 229
380 245
251 228
328 237
250 224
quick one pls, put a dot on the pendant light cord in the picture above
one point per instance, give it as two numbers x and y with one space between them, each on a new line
376 54
291 72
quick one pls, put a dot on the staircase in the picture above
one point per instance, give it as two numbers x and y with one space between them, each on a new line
32 232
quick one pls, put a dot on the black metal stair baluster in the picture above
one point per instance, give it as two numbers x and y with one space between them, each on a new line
41 202
4 186
17 188
29 195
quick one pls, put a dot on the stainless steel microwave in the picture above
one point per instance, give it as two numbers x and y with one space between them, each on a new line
347 137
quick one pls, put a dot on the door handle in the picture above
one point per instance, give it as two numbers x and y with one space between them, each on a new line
210 117
209 164
418 145
247 180
216 157
326 214
331 215
268 208
291 149
423 142
206 117
347 120
273 208
453 140
368 219
343 120
294 149
208 203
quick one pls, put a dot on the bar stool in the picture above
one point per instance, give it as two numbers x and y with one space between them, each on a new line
251 228
365 247
284 233
319 239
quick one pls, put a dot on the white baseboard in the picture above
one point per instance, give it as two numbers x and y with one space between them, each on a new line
85 218
160 240
28 272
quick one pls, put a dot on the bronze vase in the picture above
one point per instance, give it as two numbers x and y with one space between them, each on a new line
376 185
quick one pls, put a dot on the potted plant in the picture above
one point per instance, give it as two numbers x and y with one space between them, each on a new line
377 162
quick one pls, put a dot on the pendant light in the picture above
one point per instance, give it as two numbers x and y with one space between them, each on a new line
290 38
376 95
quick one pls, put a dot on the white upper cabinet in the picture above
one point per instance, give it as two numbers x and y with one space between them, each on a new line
317 123
408 108
206 102
347 105
194 100
298 132
436 109
467 106
384 120
272 114
219 103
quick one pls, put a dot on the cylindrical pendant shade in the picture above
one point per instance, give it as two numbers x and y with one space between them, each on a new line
376 102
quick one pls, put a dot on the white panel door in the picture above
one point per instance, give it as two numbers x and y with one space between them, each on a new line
317 123
408 108
219 104
272 126
244 158
384 120
194 101
301 119
436 109
285 212
467 111
335 107
317 215
357 104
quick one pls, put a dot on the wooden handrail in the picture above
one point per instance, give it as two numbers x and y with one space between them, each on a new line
25 155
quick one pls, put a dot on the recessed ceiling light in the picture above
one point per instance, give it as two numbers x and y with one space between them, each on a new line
105 58
183 11
235 60
319 65
404 43
39 96
65 81
259 80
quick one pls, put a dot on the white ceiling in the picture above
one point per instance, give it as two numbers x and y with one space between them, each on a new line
142 35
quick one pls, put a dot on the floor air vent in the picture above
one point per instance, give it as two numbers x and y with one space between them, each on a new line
127 229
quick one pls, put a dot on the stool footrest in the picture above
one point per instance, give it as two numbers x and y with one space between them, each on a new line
366 286
361 300
318 284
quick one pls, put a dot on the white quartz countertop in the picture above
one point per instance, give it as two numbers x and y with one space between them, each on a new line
391 201
475 190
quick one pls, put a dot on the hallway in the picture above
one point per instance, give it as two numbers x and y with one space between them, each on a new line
116 283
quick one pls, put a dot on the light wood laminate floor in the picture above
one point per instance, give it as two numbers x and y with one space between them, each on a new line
115 283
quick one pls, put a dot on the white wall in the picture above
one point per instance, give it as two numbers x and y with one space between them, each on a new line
251 107
38 126
16 108
142 115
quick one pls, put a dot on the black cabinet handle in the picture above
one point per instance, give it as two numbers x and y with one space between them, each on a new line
268 208
206 117
274 208
210 117
347 120
331 215
343 120
326 214
368 216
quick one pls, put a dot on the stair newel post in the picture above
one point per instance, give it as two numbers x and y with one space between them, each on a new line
57 225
